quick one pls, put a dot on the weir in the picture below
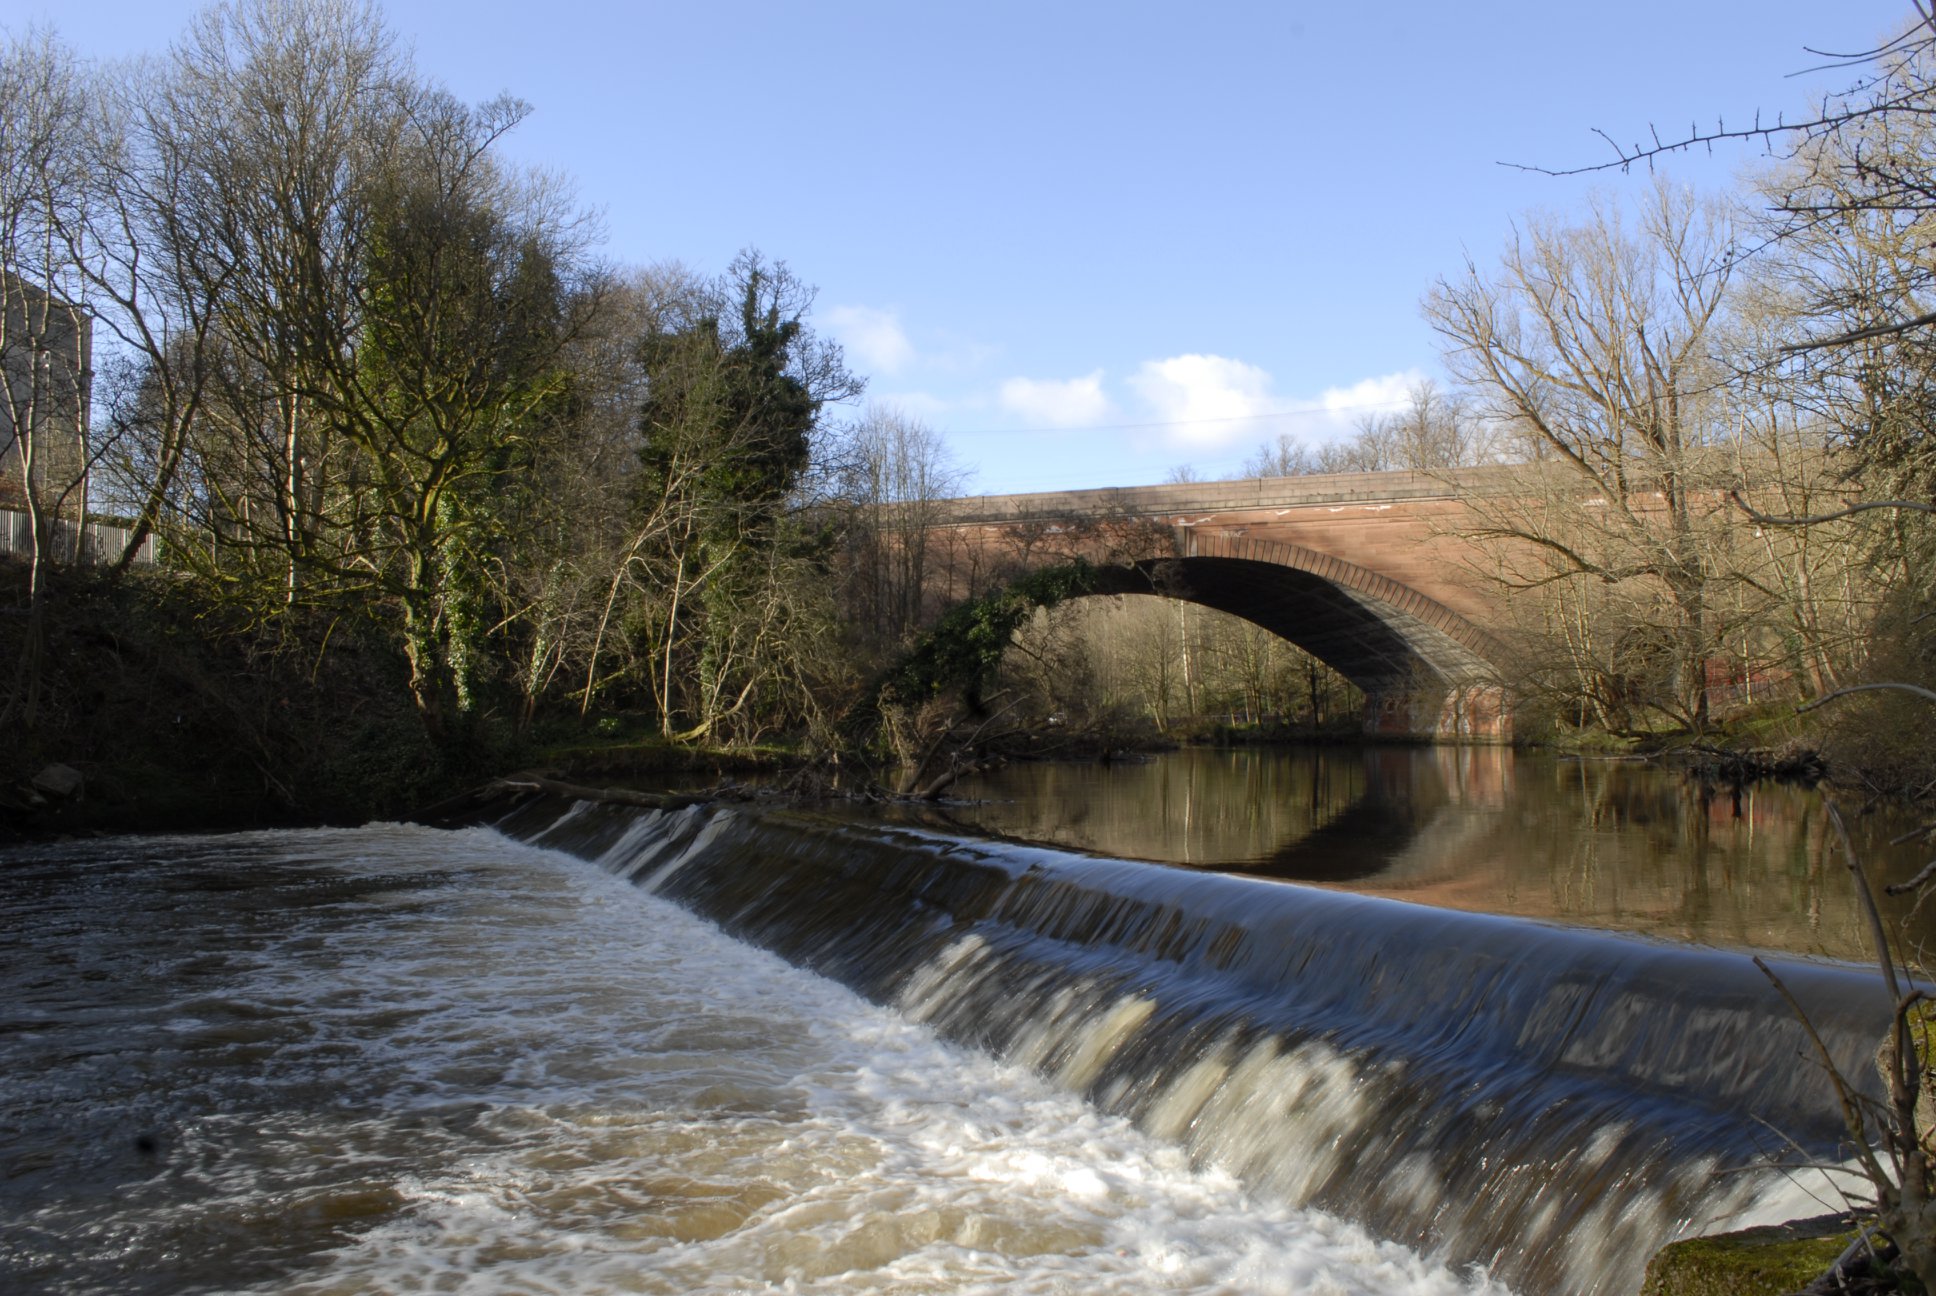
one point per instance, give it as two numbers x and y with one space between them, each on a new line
1549 1102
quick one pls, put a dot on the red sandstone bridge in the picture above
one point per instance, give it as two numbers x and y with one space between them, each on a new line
1365 571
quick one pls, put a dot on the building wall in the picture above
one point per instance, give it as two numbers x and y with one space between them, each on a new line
45 371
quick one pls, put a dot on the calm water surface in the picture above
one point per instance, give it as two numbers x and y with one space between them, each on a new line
1611 844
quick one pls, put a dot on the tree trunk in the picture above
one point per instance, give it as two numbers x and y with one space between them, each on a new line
431 687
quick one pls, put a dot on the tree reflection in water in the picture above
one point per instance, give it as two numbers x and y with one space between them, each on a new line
1613 844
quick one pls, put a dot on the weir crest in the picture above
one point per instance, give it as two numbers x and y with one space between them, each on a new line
1550 1103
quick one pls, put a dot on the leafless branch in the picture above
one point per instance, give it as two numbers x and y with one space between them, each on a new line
1884 960
1827 698
1765 519
1844 1096
1862 334
1900 888
1920 830
1871 95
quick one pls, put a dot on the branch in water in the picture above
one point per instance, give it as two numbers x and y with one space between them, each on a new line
1898 888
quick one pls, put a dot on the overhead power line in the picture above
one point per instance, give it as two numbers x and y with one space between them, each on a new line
1138 427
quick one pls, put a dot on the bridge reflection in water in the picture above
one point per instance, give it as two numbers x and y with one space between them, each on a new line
1616 845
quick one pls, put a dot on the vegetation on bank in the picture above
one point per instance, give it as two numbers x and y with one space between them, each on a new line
436 489
177 715
439 492
1776 1260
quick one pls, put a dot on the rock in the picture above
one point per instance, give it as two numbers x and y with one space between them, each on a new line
1770 1261
61 782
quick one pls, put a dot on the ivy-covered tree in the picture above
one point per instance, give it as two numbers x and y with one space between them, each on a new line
466 314
736 384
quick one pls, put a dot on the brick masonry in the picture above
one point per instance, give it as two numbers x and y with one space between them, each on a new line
1398 603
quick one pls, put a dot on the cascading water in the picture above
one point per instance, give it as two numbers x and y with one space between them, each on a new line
391 1060
1551 1103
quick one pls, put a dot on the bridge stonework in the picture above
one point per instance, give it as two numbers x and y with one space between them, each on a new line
1367 572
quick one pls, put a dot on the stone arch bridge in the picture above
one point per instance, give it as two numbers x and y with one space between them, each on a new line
1365 571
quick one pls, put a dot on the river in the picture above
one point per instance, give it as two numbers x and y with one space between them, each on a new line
395 1059
1614 844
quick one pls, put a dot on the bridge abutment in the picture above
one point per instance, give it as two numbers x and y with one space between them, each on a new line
1462 713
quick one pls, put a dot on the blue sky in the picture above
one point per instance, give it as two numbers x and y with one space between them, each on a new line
1089 242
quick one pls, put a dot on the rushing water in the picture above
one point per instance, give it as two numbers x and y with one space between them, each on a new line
398 1060
1552 1103
562 1059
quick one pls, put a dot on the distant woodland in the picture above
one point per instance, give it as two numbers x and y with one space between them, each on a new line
395 478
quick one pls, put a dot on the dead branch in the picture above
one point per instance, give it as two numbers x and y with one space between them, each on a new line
1920 830
1884 959
531 782
1913 884
956 767
1844 1096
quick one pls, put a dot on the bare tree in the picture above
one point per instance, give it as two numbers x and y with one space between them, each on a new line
1286 456
272 122
1592 342
567 563
1434 430
897 473
1848 206
45 331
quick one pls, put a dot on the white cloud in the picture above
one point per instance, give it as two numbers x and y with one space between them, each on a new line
1067 402
922 405
1216 403
873 337
1344 406
1211 399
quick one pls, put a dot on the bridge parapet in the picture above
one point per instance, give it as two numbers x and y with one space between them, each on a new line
1227 496
1368 572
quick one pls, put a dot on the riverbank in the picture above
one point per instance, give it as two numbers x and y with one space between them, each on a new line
159 710
178 714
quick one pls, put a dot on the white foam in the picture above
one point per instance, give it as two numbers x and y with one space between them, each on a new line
421 1061
655 1107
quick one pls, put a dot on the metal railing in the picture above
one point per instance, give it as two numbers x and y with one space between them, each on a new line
99 543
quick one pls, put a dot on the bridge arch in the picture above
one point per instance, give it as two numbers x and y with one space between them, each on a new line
1425 670
1367 571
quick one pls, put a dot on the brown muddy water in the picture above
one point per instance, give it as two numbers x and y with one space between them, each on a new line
1624 846
598 1051
395 1060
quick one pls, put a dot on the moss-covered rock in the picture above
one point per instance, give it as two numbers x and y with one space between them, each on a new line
1770 1261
